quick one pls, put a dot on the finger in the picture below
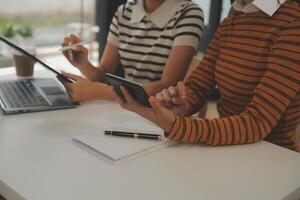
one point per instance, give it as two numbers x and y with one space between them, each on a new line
64 44
60 79
74 39
70 55
158 109
181 89
165 117
72 76
66 54
173 91
120 100
66 40
127 95
80 48
177 101
160 98
167 98
65 83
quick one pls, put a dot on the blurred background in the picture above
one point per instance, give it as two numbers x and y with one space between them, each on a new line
46 23
50 20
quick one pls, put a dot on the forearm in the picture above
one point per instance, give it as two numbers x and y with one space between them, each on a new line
195 102
92 73
237 129
103 92
155 87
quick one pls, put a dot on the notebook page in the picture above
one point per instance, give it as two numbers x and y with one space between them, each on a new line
116 147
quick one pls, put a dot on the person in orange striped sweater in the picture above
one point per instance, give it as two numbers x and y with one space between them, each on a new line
254 59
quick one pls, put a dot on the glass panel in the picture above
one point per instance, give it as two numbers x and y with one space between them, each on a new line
49 19
205 5
226 8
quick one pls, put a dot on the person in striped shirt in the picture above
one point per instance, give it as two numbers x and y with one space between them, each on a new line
254 59
153 40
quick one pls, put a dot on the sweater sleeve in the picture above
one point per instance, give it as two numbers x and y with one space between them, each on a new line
278 87
200 83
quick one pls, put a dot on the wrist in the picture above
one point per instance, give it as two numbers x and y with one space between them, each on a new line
103 92
86 67
170 127
90 72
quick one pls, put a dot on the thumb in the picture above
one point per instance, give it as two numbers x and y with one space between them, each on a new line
72 76
63 81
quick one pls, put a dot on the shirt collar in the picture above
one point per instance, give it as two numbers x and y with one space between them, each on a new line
160 17
267 6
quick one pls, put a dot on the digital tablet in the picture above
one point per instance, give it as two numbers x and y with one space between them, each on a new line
136 90
32 57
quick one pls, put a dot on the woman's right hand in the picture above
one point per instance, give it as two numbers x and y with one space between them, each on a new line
174 98
78 56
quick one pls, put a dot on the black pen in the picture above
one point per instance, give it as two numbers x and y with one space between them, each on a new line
134 135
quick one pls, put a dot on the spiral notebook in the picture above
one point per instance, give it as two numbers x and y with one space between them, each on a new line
115 148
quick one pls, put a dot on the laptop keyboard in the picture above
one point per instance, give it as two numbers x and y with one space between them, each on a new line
22 93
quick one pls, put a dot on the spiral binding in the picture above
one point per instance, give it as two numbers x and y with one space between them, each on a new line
144 151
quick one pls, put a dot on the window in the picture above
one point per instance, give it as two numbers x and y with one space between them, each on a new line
214 12
225 9
50 20
205 6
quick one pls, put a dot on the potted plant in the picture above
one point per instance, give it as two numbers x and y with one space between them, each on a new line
21 35
9 32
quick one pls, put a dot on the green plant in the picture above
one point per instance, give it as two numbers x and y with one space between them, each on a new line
8 31
25 31
11 30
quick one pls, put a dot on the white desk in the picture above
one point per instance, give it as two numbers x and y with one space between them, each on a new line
39 161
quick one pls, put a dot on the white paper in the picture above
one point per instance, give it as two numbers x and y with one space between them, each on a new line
116 147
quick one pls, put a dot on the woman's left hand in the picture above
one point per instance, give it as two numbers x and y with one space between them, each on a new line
157 113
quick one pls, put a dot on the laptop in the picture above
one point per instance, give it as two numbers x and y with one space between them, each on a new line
32 95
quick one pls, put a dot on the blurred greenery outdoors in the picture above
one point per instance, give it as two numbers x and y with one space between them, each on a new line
41 21
24 26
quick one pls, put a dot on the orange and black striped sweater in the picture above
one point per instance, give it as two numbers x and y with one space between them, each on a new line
254 59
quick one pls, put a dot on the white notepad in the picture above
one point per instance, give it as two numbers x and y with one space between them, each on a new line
116 148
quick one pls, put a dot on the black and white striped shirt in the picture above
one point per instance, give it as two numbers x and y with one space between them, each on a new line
146 40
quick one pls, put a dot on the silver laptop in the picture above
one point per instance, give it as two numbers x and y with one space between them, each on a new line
31 95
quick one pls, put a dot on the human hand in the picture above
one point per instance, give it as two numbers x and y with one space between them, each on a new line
158 114
174 98
81 90
78 56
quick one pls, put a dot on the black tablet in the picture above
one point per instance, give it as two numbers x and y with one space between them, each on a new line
136 90
32 57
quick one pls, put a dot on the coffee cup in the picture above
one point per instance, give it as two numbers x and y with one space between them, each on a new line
24 65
